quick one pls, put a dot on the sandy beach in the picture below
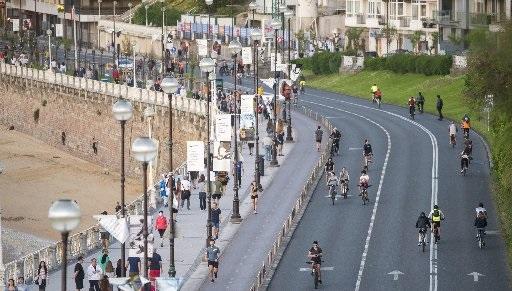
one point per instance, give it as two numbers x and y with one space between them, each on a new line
36 174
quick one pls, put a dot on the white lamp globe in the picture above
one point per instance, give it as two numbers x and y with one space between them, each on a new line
64 215
122 110
144 149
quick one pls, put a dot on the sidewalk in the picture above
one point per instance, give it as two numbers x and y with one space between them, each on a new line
191 225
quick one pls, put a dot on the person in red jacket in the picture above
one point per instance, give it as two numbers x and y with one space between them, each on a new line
161 226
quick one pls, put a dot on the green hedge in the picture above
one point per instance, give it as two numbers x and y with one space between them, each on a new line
407 63
321 63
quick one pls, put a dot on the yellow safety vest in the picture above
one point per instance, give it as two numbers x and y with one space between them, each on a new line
436 218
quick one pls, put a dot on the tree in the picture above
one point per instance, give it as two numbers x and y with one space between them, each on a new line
353 35
389 32
415 39
435 41
155 15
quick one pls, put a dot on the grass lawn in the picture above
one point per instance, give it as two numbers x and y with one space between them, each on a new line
397 88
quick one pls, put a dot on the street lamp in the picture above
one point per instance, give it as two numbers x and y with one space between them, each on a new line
256 36
289 138
276 25
64 215
49 33
146 7
144 149
163 36
235 47
169 85
207 65
99 18
130 8
115 35
123 111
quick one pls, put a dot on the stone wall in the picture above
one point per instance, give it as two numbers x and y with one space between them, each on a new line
45 111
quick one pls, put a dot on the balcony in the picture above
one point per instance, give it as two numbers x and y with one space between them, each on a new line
405 21
361 19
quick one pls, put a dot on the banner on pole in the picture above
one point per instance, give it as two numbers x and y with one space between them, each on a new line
195 156
59 30
117 227
272 61
202 47
247 118
295 72
247 55
168 284
15 24
221 155
223 127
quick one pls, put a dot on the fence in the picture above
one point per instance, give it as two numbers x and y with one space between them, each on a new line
82 243
86 85
299 204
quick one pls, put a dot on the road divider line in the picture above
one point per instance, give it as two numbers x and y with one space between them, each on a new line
379 190
433 282
322 269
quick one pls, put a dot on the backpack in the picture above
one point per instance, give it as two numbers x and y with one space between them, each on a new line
436 213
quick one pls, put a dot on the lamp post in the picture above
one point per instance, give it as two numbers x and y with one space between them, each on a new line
163 35
207 65
49 33
252 6
169 86
146 7
134 47
235 47
276 25
144 149
256 37
289 138
64 215
282 9
115 35
208 4
123 111
97 24
130 8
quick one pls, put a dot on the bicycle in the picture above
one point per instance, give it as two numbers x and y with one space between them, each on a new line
411 112
344 188
453 141
316 273
377 99
436 234
335 148
332 193
480 237
423 241
364 194
465 166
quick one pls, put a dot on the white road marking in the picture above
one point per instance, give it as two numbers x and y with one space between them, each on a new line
492 232
433 284
355 149
322 269
395 274
475 276
377 197
337 196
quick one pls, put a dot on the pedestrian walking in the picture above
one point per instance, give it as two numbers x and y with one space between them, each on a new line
318 137
185 194
267 142
161 226
134 266
420 101
439 107
212 256
250 145
254 196
94 276
280 142
217 190
155 268
215 220
105 236
163 191
202 193
119 268
41 278
177 192
103 259
109 269
237 172
79 274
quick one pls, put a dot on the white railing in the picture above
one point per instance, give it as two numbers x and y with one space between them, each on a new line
82 243
180 103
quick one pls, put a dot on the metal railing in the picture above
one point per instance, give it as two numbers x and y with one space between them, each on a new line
405 21
180 103
361 19
299 204
82 243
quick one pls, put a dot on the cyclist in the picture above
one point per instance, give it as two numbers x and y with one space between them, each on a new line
374 89
332 181
344 177
335 136
465 125
422 223
468 146
367 150
412 105
364 181
481 208
377 95
480 222
435 216
464 160
452 130
329 168
315 255
302 84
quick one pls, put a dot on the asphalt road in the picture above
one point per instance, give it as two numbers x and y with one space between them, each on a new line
374 247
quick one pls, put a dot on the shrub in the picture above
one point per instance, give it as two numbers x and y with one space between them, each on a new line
321 62
407 63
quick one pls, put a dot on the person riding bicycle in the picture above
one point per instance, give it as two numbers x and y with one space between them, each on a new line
464 160
367 149
480 222
329 168
481 208
465 124
315 255
377 95
412 105
364 181
422 223
335 136
468 146
344 177
452 130
332 181
302 84
435 216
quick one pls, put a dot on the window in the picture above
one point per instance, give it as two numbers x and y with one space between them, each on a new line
353 7
374 9
396 8
419 9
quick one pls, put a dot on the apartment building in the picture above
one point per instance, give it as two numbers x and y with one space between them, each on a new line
45 14
455 20
406 16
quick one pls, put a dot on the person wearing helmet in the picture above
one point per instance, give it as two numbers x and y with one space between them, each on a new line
315 255
435 216
335 136
364 180
422 224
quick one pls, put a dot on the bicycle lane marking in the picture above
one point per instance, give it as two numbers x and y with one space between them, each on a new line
379 189
433 282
